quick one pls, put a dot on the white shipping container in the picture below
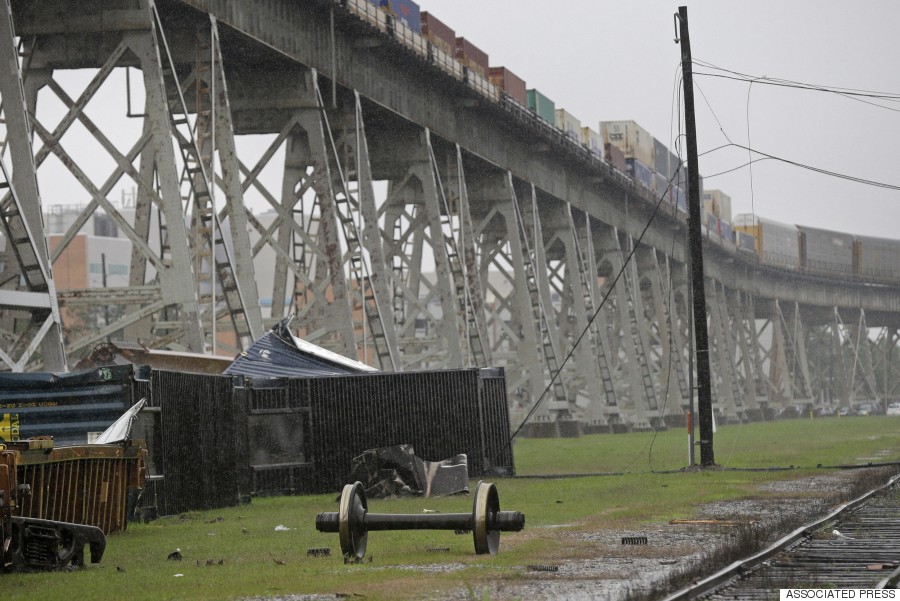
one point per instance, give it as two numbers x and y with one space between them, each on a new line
568 124
632 139
717 203
592 140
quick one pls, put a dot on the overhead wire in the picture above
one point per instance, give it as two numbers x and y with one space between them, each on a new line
768 156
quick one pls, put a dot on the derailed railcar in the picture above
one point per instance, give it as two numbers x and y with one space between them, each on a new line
31 543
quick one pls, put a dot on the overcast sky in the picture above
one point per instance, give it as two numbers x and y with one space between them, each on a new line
616 59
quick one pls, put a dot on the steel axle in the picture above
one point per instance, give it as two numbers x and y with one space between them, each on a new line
353 522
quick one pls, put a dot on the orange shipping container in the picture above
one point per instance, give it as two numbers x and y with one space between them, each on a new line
472 56
438 33
509 82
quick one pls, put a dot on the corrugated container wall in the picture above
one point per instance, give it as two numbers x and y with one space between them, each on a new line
614 156
776 243
879 258
718 203
592 140
635 141
567 122
543 106
510 83
439 34
472 56
826 251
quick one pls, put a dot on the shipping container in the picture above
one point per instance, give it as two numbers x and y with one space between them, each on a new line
438 33
712 224
662 185
825 251
718 203
70 407
445 62
510 83
745 241
680 198
661 158
641 173
674 162
569 125
726 231
471 56
592 141
633 139
777 244
878 258
543 106
405 11
614 156
481 84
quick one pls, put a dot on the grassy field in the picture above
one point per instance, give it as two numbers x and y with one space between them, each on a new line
237 552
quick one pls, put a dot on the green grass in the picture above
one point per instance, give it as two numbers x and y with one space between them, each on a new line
258 561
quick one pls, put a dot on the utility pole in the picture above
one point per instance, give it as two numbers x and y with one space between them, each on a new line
695 246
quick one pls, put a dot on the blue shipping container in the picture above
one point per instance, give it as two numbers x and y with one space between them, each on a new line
639 172
403 10
66 406
726 231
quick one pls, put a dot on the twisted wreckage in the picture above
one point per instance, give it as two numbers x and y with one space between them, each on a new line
284 417
54 501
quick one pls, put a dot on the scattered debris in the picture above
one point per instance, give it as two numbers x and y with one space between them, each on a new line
318 552
840 535
244 530
120 569
395 470
175 555
543 568
350 558
711 522
634 540
216 519
178 575
280 562
438 549
282 528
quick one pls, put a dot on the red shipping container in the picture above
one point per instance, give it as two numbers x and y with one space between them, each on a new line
438 33
614 156
509 82
471 56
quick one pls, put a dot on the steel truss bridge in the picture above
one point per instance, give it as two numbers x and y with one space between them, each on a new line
494 242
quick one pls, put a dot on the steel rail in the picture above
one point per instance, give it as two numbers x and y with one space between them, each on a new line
741 567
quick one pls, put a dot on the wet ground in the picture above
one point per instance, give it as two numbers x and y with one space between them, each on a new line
652 569
639 570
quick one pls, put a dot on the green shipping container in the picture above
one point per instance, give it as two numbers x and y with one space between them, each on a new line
543 106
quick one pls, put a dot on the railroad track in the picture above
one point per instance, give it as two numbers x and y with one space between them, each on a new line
857 546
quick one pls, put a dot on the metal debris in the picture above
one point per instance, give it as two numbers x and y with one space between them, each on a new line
634 540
